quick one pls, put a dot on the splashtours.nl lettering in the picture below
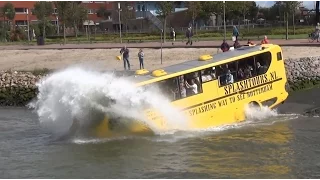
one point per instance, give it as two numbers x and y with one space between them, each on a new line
248 83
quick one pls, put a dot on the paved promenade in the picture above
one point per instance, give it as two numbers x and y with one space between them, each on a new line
156 45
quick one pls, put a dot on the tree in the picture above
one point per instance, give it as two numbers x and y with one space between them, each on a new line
7 12
206 10
194 8
77 14
43 10
126 14
63 8
165 8
289 7
253 10
244 7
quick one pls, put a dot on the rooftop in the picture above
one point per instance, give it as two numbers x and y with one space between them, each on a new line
196 63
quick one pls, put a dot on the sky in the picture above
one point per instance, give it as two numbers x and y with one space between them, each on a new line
307 4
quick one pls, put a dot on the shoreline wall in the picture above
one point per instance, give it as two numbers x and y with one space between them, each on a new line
19 88
302 72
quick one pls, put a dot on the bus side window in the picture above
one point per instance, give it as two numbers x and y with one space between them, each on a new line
208 74
228 73
279 56
173 89
169 88
192 83
263 62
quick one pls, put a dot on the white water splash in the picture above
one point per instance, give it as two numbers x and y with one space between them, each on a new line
254 113
75 93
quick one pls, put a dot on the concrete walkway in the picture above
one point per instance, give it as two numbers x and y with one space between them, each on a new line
156 45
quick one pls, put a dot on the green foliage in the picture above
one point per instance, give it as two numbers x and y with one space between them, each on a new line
43 9
63 10
233 9
41 72
51 29
165 8
18 34
290 6
77 13
7 11
194 8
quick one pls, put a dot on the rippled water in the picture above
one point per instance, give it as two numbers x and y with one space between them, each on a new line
285 146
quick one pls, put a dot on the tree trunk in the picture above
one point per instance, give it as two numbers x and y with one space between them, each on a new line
44 30
4 29
87 33
245 22
193 23
164 29
287 26
193 18
95 31
126 24
293 24
75 29
64 33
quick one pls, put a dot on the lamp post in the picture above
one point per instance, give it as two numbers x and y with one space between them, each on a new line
28 25
224 19
119 8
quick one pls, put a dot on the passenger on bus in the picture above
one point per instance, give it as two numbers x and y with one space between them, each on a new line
213 73
236 44
229 77
247 72
192 88
240 74
265 40
224 46
206 75
183 90
250 42
260 69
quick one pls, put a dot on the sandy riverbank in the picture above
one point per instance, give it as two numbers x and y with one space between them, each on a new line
104 59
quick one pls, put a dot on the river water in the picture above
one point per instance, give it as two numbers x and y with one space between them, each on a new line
286 145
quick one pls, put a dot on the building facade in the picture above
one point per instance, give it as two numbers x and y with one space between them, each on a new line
24 11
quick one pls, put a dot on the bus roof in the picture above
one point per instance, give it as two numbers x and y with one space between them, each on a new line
196 63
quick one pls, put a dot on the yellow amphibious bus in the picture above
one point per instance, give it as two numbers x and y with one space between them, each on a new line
214 90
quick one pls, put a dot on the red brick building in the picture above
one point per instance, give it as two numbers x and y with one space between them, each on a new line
22 7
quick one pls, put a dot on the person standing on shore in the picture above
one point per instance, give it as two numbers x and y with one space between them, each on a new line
173 35
189 36
125 55
141 56
235 32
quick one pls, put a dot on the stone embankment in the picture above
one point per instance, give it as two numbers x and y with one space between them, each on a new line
303 72
19 88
